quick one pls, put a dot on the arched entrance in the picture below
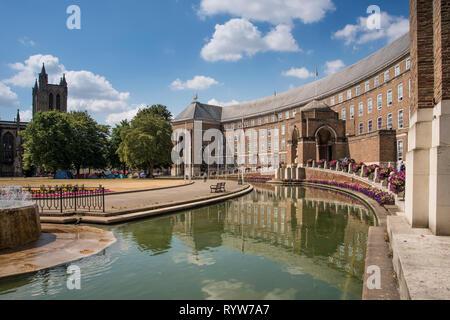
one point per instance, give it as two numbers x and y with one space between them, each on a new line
325 144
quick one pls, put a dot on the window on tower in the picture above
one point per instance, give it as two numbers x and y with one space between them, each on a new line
50 102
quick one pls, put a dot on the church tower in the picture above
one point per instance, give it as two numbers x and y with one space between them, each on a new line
49 97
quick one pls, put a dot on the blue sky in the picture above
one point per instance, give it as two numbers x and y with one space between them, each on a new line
135 52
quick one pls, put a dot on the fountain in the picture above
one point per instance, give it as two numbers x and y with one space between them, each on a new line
19 218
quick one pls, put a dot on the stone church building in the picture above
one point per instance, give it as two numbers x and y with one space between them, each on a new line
46 97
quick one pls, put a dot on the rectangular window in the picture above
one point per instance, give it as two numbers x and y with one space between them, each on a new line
377 81
273 118
370 126
358 90
361 128
389 121
389 97
349 94
341 97
266 119
294 112
400 119
280 117
397 70
361 109
408 64
232 126
379 101
379 123
283 130
400 150
369 106
259 121
269 132
253 122
400 92
332 101
287 115
344 114
367 88
386 76
352 112
283 144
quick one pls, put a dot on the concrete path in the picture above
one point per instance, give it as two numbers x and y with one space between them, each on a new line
132 206
421 260
158 198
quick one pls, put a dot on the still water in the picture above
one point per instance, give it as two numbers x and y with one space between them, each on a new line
275 243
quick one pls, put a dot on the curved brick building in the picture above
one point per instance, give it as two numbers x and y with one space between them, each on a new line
361 112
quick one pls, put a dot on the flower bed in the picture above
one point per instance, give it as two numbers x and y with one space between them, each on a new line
55 192
383 198
397 182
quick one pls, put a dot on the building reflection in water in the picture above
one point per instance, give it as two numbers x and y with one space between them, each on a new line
287 225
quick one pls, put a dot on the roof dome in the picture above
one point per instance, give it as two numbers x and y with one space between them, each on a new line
316 105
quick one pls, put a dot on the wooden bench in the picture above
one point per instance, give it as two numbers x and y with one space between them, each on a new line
220 187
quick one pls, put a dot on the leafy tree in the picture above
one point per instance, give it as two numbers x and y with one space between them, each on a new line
47 142
89 141
146 143
112 157
157 109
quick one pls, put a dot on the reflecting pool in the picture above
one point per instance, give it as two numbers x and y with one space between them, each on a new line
275 243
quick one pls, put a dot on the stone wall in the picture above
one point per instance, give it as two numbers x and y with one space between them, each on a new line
314 174
19 226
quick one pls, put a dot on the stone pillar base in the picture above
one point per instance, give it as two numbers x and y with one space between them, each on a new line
439 180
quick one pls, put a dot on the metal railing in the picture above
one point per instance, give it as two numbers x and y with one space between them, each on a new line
68 198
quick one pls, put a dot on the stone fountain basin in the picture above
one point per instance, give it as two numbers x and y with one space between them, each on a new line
19 224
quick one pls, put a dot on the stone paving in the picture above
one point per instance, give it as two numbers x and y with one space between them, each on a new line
421 261
159 198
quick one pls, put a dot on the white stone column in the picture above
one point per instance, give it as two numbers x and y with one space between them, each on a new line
294 173
289 173
439 184
417 175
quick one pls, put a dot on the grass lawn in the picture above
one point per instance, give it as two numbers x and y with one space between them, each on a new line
115 185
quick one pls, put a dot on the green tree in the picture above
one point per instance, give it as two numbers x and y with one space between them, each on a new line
112 157
47 142
156 109
89 142
147 142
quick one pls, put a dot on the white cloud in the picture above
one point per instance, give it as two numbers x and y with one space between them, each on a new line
8 98
115 118
272 11
26 115
215 102
392 27
236 290
27 42
301 73
239 37
333 66
198 83
87 91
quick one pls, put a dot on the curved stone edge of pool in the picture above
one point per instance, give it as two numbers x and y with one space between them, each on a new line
378 251
58 245
146 213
